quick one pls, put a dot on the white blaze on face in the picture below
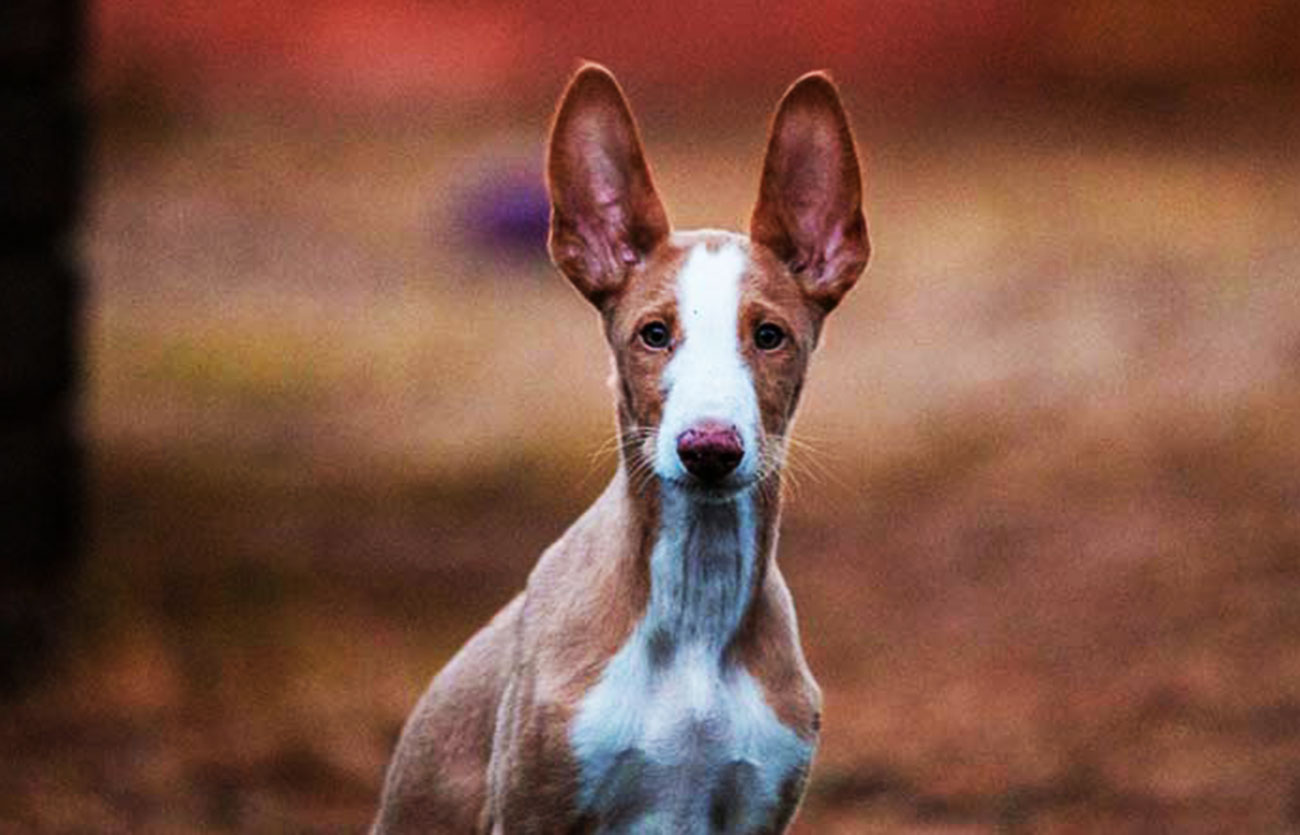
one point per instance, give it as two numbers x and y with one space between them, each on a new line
707 378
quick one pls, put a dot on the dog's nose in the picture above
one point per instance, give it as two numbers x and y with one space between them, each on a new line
710 450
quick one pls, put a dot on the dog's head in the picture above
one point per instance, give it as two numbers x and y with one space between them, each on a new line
711 331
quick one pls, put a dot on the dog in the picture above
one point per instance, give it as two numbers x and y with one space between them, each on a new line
650 677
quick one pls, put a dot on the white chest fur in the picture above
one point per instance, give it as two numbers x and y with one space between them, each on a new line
675 737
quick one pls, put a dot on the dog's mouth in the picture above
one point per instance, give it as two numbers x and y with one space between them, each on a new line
724 490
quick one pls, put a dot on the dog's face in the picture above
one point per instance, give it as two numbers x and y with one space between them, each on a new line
711 331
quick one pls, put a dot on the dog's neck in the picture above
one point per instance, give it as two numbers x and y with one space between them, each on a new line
677 707
701 561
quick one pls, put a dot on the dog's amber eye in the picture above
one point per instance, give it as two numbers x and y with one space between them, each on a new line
768 337
656 335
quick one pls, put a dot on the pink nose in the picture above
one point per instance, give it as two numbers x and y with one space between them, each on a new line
710 450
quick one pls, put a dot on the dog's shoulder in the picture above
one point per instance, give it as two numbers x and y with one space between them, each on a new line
438 775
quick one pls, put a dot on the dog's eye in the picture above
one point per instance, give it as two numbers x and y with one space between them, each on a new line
768 337
656 335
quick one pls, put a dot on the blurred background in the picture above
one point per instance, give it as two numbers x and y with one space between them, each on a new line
333 401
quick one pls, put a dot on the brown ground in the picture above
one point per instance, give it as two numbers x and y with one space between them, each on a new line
1044 543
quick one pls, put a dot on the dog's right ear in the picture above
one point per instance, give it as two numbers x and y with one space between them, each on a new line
606 216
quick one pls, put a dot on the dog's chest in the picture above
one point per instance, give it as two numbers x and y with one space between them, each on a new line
688 747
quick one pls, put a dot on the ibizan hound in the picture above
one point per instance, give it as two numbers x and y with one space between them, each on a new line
650 678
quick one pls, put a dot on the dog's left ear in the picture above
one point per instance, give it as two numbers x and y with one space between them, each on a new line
809 209
606 216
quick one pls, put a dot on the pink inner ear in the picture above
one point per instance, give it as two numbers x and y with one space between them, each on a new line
609 221
605 190
812 196
809 210
814 174
606 214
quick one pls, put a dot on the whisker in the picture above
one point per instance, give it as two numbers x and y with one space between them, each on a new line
822 470
622 440
810 460
605 448
790 484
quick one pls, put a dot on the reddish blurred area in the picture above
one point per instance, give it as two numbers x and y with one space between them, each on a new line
917 53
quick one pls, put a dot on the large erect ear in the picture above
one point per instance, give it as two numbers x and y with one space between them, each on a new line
809 208
605 214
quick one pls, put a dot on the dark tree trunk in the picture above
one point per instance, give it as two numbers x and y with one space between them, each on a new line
41 152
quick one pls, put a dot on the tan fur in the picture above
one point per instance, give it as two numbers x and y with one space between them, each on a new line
436 782
487 748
